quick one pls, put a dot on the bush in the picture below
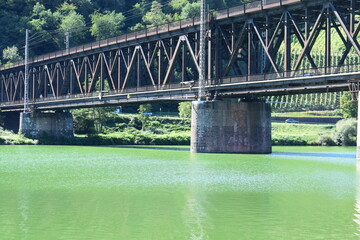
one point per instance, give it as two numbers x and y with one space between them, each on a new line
345 132
325 140
290 141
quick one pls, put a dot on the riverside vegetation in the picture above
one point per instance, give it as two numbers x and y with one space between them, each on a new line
104 126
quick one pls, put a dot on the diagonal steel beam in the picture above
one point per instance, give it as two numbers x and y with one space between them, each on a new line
353 41
172 60
147 66
266 49
129 68
238 42
308 41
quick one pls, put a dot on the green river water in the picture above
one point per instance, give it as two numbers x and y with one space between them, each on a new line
68 192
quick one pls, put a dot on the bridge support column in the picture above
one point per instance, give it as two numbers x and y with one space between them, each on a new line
58 124
230 127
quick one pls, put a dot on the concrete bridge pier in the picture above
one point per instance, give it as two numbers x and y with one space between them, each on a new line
230 127
55 124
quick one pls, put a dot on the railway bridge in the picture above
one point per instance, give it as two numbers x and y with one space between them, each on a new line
260 48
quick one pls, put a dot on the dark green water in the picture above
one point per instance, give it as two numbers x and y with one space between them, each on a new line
62 192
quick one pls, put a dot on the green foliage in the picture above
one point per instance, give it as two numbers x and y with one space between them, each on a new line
144 118
10 138
347 106
73 23
178 4
185 109
191 10
326 140
11 54
155 16
106 25
346 131
90 120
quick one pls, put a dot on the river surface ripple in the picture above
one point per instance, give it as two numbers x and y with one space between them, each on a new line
68 192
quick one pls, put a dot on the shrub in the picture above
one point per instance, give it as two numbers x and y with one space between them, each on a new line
290 141
345 132
325 140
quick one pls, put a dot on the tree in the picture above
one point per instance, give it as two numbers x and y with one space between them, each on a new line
347 106
11 54
64 19
155 16
144 117
178 5
191 10
106 25
346 131
72 22
44 19
185 109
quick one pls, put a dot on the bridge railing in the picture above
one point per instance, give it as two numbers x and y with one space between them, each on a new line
302 74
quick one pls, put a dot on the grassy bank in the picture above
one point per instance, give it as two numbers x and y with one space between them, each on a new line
9 138
300 134
313 114
130 130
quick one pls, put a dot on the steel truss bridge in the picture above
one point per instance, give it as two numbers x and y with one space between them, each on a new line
259 48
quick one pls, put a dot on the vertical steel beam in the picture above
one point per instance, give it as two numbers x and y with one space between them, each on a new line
183 67
101 72
287 44
250 52
328 39
159 65
217 55
306 23
232 36
352 16
209 63
118 72
138 70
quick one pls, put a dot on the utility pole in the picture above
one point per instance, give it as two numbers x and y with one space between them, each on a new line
201 92
26 80
67 41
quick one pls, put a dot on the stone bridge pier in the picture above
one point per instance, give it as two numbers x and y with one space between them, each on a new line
230 127
55 124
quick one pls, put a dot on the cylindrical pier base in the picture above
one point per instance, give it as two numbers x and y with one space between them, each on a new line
230 127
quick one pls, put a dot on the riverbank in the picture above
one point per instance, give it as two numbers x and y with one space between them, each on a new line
174 131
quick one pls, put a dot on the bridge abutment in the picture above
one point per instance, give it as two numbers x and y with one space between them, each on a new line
57 124
230 127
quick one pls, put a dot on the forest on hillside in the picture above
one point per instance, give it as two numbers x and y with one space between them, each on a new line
50 21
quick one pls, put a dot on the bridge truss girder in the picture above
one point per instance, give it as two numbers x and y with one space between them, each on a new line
242 45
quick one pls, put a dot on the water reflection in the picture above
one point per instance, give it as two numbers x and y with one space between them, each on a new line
194 212
24 211
357 204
